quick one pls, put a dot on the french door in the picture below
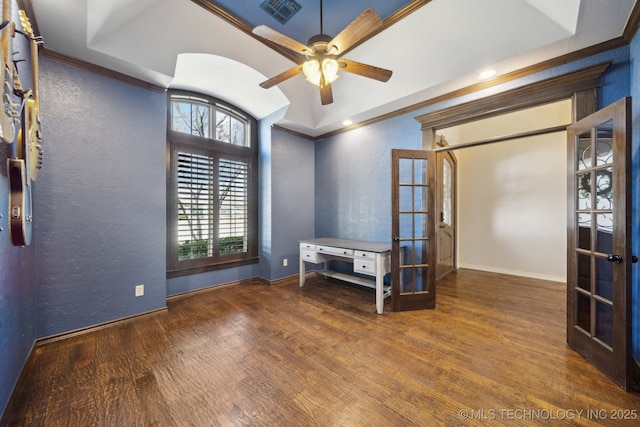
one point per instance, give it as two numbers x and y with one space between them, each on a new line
599 247
413 230
446 214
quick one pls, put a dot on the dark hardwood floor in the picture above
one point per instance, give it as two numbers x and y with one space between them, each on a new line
493 352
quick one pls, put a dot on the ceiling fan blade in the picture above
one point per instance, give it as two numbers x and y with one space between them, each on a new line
279 38
281 77
367 22
376 73
326 94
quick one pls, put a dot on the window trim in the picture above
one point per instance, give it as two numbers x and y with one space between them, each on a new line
218 149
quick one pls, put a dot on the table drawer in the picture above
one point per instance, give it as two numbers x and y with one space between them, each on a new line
307 246
311 256
331 250
371 256
364 266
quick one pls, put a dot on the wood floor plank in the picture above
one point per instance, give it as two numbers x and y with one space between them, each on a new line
258 355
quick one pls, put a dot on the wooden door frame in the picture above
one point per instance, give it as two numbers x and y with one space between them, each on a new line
581 86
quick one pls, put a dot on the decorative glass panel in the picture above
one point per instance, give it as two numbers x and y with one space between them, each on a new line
420 171
583 312
604 278
604 146
604 188
420 225
407 253
420 252
406 226
584 151
447 190
584 272
420 200
604 323
406 195
422 279
584 230
584 190
604 237
406 279
406 171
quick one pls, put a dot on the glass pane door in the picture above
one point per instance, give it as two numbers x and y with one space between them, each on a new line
598 280
413 275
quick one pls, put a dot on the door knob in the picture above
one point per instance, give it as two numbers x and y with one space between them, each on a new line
614 258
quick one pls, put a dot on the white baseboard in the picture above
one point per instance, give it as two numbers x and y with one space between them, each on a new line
514 272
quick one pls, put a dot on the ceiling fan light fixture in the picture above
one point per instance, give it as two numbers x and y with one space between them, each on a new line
314 72
311 70
323 54
330 69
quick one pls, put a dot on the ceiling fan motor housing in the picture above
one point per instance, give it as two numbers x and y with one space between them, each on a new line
319 43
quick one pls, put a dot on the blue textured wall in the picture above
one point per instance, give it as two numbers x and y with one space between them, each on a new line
292 207
18 291
101 200
264 210
353 179
193 282
635 186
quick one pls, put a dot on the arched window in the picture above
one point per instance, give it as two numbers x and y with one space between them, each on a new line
212 214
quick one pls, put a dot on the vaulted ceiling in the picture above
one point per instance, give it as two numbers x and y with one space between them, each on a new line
433 47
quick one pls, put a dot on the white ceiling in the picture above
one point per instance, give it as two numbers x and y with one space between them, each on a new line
441 47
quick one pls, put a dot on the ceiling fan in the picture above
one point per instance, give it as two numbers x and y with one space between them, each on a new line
323 54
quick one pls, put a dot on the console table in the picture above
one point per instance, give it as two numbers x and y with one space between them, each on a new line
368 258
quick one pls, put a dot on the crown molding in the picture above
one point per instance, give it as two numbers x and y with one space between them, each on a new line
505 78
633 23
101 70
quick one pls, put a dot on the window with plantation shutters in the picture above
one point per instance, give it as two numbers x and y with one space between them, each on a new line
212 182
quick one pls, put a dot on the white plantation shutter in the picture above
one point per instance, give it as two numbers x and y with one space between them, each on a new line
200 202
196 175
233 194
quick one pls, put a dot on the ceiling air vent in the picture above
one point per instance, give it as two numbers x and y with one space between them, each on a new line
281 10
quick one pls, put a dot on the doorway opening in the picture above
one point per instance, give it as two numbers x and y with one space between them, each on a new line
511 191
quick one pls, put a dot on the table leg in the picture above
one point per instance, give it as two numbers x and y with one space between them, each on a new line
379 285
302 272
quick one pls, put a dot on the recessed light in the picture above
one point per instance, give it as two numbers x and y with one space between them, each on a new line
347 122
487 74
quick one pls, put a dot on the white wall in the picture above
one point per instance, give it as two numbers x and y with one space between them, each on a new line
512 201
